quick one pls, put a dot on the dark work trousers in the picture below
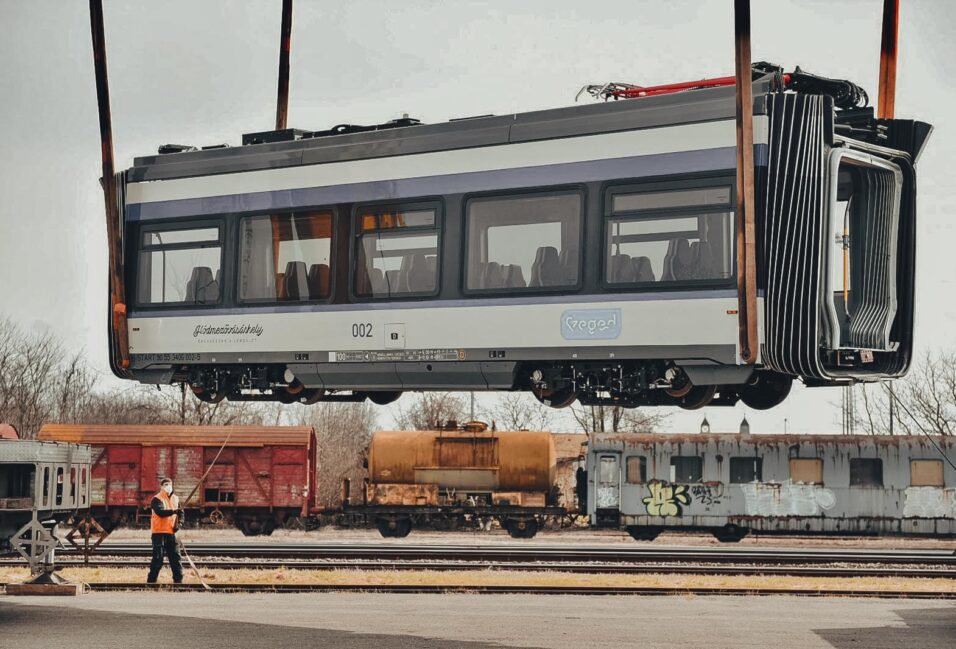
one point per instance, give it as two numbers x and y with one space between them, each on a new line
165 545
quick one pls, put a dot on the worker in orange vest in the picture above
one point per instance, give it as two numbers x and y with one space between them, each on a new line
164 523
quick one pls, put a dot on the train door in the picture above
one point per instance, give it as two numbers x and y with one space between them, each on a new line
607 490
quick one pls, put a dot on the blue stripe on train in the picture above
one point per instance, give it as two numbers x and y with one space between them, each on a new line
558 174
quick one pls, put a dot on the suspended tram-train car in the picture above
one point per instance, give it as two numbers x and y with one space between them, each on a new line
588 252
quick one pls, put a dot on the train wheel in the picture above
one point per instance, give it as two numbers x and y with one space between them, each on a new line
522 528
394 527
311 397
767 390
209 396
555 398
641 533
249 527
383 398
698 397
730 533
217 517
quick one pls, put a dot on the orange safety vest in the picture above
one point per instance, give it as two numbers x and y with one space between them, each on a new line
164 524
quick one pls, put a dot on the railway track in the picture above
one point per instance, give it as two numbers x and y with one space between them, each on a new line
524 590
520 553
578 568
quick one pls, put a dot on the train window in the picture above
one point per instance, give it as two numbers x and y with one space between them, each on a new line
673 236
16 480
866 472
746 469
397 252
809 470
73 492
926 473
179 266
609 470
687 468
83 487
523 242
59 486
45 500
636 470
285 257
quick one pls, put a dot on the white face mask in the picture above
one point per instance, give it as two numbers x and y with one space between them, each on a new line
168 488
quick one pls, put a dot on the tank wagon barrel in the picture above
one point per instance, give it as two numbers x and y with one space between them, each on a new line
495 461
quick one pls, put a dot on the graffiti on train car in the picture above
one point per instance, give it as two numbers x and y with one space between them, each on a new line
666 499
708 494
929 502
787 498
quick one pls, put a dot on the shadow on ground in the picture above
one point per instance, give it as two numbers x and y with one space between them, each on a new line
42 627
926 628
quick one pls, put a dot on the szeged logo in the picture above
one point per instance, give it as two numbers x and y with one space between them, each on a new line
228 330
591 324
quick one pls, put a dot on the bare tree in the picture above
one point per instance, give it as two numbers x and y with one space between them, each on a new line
343 431
40 382
519 411
615 419
928 394
431 409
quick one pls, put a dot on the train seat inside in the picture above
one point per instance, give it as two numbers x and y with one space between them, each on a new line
319 282
296 281
546 269
202 287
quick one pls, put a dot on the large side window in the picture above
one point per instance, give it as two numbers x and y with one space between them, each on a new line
687 468
397 251
180 266
636 469
285 257
866 472
523 242
746 469
806 469
668 236
926 473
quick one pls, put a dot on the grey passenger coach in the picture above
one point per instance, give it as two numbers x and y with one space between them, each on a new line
734 484
582 253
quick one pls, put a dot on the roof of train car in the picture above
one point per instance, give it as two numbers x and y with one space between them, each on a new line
21 450
701 105
175 435
769 438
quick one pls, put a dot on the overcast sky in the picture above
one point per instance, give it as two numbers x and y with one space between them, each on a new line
205 72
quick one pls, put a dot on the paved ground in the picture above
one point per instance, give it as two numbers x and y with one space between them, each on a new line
353 621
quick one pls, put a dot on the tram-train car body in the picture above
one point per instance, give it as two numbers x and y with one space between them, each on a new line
584 252
260 477
448 477
731 484
42 481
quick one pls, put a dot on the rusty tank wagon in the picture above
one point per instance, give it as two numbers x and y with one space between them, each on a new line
452 477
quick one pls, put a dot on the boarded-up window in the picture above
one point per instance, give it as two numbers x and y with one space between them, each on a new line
926 473
636 469
746 469
866 472
806 470
687 468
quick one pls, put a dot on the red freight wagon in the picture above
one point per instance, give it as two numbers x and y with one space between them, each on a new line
264 477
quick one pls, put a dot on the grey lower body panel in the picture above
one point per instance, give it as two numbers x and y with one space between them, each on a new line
803 524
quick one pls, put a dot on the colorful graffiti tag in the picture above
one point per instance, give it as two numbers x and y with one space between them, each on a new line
666 499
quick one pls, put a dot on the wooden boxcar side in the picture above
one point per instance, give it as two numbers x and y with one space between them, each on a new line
263 477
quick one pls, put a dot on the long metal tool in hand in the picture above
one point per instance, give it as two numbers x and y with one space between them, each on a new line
192 564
